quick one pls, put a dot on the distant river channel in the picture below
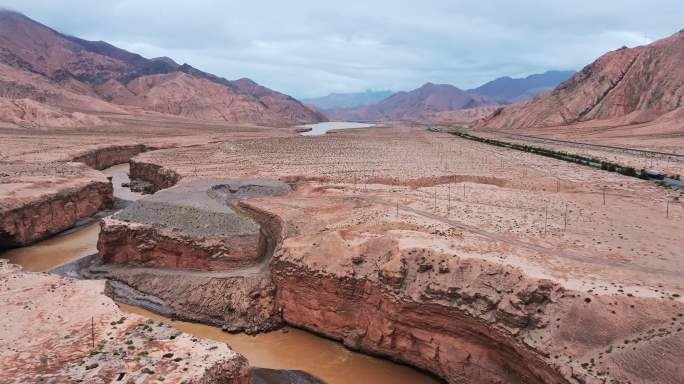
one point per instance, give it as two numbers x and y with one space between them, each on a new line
322 128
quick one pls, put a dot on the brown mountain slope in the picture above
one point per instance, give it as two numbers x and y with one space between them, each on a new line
626 86
417 104
280 102
41 64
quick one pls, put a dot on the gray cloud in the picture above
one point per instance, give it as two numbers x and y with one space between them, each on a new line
309 48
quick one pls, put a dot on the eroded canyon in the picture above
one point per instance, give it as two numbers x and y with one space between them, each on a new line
475 263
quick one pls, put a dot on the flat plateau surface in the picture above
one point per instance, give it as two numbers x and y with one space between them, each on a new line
545 215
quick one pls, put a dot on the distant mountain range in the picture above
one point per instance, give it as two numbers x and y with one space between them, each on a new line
414 105
623 87
347 100
433 101
48 78
507 90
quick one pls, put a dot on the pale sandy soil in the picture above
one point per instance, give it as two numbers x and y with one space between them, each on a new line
64 144
518 200
47 336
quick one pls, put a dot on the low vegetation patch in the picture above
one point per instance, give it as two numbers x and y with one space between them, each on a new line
560 155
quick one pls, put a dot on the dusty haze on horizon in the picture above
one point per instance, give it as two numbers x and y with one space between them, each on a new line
309 48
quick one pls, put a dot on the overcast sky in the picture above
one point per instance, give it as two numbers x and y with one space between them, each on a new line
312 47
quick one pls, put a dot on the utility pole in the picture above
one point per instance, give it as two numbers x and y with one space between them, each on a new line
604 195
546 218
92 330
667 212
448 199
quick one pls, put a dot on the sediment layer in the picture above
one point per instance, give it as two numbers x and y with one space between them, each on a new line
40 199
138 244
240 303
158 176
464 333
107 156
204 255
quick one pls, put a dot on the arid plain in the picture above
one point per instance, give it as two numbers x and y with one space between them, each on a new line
464 259
159 223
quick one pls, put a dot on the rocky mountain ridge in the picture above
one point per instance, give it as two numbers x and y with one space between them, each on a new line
75 75
622 87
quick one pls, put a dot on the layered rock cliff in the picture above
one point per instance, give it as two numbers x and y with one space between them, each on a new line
40 199
107 156
153 175
396 289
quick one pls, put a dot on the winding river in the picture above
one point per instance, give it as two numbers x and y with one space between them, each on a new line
288 348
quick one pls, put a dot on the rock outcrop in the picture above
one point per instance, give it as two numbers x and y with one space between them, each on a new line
40 199
189 252
153 176
400 293
65 343
109 155
190 226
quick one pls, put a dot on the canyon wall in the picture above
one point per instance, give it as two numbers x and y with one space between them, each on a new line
450 342
144 245
105 157
469 320
158 176
236 303
36 211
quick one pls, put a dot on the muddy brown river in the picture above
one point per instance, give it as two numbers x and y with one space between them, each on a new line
288 348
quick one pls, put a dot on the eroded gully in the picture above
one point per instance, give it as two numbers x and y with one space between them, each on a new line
288 348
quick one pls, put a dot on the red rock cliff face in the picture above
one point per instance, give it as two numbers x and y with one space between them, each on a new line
137 244
469 320
446 341
101 158
235 303
51 215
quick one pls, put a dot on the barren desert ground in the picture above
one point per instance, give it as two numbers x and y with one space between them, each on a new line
399 193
